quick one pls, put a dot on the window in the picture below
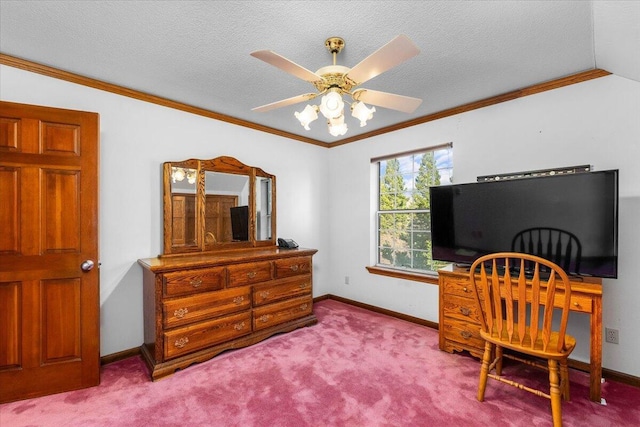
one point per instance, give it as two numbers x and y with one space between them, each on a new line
403 216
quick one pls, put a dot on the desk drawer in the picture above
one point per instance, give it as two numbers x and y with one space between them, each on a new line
463 332
461 308
581 303
458 287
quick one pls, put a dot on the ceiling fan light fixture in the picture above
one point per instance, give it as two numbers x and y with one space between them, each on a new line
332 105
334 81
306 116
337 126
360 111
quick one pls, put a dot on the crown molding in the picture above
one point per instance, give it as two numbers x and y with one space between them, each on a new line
509 96
45 70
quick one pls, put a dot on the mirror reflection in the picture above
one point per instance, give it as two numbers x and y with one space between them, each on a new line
217 204
263 208
226 217
183 199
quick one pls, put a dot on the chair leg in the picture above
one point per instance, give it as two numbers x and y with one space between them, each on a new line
484 370
564 380
554 392
500 359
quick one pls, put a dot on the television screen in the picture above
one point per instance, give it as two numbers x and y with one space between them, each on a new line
570 219
240 223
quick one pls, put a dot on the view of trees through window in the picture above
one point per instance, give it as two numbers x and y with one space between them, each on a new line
404 229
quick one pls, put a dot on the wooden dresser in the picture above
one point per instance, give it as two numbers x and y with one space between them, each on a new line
197 306
459 321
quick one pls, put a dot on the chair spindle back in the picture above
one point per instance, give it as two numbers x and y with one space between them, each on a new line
502 282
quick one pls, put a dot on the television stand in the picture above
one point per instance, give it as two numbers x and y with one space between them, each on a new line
460 327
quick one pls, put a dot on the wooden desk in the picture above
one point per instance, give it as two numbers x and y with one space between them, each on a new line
460 325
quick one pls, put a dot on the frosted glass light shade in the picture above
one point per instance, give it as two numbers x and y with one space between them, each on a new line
361 112
337 126
332 105
306 116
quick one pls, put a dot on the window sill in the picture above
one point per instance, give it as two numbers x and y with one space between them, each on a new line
407 275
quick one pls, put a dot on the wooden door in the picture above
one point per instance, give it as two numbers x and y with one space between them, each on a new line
184 219
218 218
49 306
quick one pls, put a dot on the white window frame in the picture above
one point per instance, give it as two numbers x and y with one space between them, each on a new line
445 174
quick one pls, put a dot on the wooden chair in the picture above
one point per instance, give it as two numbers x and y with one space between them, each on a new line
502 284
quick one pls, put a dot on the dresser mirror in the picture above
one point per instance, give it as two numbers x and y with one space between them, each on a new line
217 204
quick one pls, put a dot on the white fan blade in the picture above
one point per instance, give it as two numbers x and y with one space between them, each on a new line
285 102
406 104
388 56
284 64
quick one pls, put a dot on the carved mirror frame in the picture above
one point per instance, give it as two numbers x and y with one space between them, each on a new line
186 208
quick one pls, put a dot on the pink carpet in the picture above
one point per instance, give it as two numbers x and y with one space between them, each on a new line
354 368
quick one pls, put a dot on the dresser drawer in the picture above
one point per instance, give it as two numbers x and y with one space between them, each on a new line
293 266
200 335
191 309
461 308
463 332
274 314
188 282
247 274
282 289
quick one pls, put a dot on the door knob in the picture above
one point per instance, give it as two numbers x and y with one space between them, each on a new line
87 265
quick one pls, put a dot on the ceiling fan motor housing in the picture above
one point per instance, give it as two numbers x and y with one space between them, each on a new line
334 76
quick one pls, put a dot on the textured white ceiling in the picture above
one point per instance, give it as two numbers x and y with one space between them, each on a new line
197 52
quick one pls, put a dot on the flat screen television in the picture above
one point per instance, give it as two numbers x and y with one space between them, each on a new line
240 223
570 219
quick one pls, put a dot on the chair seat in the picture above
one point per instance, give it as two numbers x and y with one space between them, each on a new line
537 350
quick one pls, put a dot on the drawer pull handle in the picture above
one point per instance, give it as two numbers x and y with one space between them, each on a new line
264 318
181 342
265 294
196 283
294 267
238 326
179 313
238 300
465 334
304 307
304 285
465 311
465 289
251 274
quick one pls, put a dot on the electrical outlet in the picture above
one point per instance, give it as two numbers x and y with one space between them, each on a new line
346 280
611 335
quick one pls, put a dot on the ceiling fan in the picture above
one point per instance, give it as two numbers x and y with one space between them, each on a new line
333 81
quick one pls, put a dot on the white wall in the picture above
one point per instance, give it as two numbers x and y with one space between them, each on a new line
135 139
594 122
324 195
